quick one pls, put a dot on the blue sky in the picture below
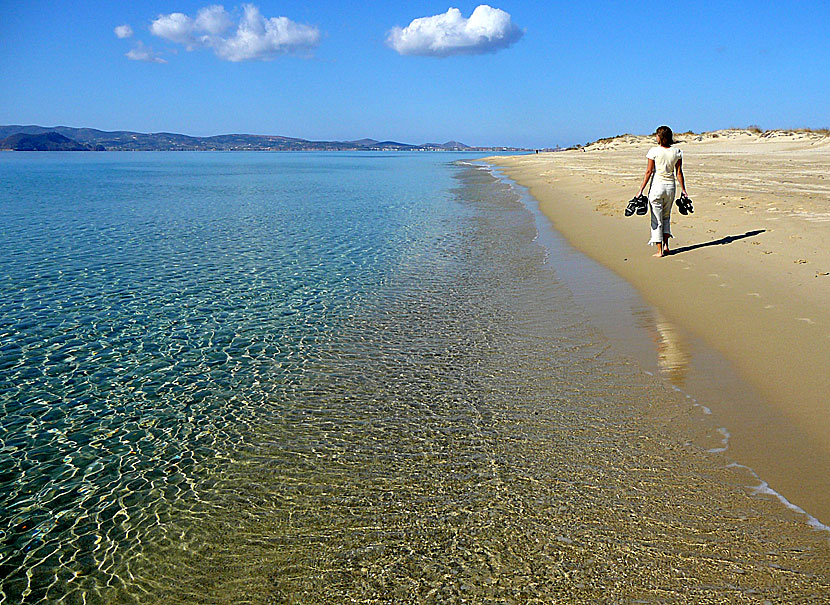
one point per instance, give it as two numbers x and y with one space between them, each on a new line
566 72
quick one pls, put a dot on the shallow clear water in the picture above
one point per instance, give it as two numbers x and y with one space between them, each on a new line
152 305
315 378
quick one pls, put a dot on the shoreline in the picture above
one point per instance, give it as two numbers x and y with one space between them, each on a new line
748 278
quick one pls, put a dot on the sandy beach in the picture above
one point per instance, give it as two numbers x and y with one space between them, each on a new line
749 275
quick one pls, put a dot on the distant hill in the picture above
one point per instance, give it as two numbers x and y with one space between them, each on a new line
122 140
448 146
47 141
364 142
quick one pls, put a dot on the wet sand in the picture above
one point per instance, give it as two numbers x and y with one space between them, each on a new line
748 277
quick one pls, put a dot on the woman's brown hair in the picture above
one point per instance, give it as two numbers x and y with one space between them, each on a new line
665 136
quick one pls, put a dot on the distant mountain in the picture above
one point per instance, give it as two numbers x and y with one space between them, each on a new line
448 146
122 140
364 142
47 141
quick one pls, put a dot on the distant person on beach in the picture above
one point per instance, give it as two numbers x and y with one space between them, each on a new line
663 162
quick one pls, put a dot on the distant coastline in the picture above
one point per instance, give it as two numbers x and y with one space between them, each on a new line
65 138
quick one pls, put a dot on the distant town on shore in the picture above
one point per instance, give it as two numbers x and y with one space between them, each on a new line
64 138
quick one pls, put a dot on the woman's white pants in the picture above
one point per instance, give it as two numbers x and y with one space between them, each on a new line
660 200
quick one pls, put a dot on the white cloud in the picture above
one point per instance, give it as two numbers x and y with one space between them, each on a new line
123 31
176 27
487 30
214 20
255 36
261 38
144 53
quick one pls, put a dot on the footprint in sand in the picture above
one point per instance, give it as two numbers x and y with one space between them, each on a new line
805 319
714 275
753 294
800 261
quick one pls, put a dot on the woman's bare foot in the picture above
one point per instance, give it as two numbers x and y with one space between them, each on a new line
660 253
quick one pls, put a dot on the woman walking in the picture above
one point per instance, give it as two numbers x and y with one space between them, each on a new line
663 162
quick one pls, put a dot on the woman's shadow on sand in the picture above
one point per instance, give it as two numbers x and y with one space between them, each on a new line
717 242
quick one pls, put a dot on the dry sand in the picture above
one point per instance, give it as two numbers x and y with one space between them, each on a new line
749 274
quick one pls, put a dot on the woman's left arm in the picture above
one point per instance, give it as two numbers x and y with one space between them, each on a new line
679 168
649 172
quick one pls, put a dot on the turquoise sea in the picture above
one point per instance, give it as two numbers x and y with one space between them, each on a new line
311 377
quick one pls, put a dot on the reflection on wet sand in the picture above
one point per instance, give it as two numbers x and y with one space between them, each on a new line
672 351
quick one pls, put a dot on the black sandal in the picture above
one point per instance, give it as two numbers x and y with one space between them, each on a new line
684 204
632 206
642 205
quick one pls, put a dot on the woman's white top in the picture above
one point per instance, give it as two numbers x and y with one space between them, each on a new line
665 159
